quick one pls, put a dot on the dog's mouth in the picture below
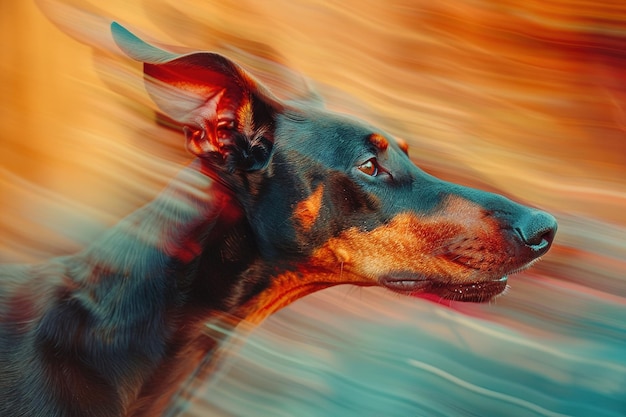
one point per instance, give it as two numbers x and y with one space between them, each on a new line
477 292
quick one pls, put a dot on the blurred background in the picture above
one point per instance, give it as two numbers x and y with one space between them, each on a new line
525 98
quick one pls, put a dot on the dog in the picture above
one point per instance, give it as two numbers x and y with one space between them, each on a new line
283 198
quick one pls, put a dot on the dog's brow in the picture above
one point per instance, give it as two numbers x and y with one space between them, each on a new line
379 141
403 144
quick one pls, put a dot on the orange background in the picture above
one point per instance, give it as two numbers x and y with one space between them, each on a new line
527 98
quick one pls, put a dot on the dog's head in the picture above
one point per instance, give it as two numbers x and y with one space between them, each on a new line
333 198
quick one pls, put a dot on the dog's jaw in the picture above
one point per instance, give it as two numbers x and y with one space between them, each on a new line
481 291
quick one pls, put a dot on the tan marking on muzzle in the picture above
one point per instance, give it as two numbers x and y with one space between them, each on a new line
410 243
458 243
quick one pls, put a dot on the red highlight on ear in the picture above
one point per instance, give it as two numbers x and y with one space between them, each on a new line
200 86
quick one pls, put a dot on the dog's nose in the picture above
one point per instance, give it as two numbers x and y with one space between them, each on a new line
537 230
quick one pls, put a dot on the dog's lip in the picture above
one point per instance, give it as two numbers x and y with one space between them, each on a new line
406 283
410 284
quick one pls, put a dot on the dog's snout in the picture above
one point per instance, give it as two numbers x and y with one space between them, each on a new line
537 230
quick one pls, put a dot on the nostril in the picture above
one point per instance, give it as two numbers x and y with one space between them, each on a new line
537 240
548 235
536 237
536 230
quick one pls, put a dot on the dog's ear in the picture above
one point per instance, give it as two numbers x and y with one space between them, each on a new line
228 117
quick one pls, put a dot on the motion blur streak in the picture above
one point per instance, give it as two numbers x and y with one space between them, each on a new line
527 98
514 401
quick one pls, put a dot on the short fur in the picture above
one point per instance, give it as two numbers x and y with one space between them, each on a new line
282 199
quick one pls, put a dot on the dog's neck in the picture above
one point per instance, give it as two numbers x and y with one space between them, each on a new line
187 258
176 258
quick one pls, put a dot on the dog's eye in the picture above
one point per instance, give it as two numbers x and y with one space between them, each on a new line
370 167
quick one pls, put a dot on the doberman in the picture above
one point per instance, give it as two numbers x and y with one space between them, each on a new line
283 198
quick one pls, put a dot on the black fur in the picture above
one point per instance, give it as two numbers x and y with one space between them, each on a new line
277 201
